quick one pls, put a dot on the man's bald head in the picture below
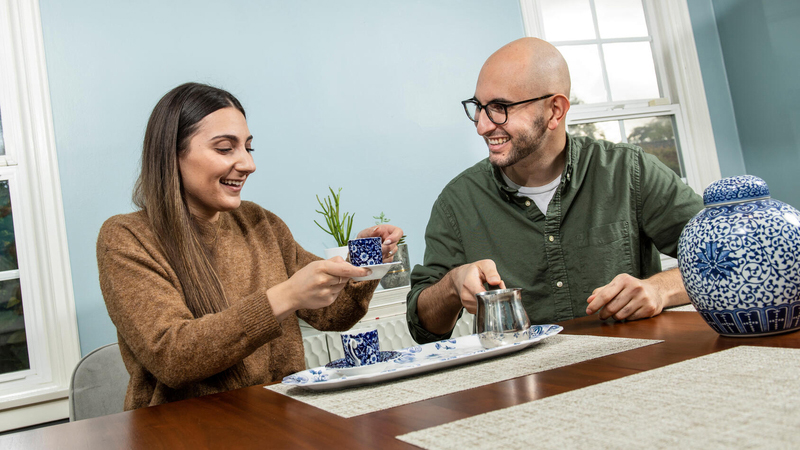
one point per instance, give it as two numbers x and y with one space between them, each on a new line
530 65
528 143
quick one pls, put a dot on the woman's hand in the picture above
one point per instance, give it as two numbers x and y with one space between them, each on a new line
389 235
314 286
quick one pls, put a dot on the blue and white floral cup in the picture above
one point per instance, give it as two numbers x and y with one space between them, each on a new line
365 251
361 347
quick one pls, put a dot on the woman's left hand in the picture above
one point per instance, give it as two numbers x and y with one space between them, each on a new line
389 235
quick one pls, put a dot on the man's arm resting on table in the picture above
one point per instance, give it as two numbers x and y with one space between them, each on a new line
438 306
629 298
670 286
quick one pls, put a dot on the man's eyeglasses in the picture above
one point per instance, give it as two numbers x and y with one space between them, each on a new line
497 112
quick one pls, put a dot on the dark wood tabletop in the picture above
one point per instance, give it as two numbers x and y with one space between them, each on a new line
255 417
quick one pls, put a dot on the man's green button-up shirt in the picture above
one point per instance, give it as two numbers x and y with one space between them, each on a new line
614 210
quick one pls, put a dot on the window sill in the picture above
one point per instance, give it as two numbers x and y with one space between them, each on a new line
34 410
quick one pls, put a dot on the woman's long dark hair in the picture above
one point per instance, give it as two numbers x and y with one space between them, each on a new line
159 192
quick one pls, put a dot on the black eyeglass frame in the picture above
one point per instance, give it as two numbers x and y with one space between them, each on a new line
505 106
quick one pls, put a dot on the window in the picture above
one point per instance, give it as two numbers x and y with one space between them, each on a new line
13 343
635 77
38 328
654 133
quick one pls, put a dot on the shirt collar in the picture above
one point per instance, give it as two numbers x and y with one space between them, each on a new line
572 149
506 192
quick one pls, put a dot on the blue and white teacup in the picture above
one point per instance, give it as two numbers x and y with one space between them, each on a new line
361 347
365 251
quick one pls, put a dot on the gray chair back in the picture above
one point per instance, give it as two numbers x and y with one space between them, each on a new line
98 384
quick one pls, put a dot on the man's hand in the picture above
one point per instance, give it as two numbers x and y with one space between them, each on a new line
629 298
468 280
438 306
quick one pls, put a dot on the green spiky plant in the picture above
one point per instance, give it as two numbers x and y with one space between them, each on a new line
338 226
383 219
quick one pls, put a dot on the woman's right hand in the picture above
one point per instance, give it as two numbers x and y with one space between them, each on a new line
314 286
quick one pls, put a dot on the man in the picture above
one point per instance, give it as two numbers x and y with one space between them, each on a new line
576 223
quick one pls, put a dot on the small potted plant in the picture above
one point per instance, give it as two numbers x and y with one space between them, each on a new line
399 275
338 225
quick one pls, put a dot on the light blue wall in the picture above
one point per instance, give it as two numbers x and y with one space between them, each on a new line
760 41
715 82
359 94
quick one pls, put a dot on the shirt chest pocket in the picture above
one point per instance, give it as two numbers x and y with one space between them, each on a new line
603 235
603 252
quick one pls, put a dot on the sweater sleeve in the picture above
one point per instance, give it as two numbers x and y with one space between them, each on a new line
146 303
349 307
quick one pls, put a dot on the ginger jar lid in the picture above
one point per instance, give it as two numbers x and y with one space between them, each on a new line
737 189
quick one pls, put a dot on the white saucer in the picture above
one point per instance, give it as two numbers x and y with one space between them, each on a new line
378 271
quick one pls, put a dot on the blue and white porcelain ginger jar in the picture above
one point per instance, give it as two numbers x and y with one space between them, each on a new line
740 259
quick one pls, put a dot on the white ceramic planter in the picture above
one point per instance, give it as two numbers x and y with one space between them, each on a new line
336 251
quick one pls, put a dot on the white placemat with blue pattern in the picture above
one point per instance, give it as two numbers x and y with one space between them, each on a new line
745 397
556 351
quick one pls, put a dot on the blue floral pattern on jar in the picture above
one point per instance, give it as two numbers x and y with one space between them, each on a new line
735 189
739 261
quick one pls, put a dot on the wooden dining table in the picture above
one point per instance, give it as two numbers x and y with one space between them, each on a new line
256 417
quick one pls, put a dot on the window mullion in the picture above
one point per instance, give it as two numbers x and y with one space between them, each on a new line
606 83
622 134
622 114
9 275
602 41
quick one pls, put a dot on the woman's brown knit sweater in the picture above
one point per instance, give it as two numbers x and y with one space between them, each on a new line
169 354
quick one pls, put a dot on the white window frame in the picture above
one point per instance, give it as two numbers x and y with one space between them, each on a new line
678 69
39 394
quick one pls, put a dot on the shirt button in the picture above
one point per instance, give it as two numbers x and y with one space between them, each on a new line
527 203
559 284
551 239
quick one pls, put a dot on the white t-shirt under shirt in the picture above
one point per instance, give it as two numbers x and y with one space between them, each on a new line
540 195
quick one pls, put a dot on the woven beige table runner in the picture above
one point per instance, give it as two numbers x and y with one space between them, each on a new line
556 351
745 397
689 307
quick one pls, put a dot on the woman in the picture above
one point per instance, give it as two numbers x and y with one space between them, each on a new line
206 290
